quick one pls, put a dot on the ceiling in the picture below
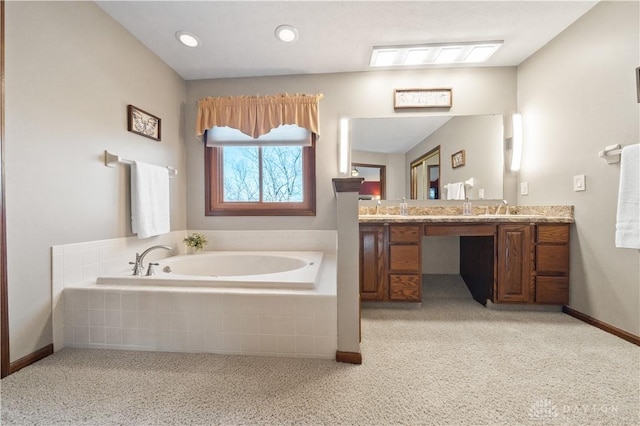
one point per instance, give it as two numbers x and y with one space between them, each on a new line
334 36
337 36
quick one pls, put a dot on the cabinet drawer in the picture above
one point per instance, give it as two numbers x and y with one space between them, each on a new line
404 287
404 234
553 233
552 259
404 258
554 290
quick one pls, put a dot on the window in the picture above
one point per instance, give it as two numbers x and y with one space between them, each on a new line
260 180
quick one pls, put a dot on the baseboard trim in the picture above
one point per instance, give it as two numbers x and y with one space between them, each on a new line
631 338
31 358
349 357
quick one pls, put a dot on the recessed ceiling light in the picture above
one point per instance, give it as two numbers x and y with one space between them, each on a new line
433 54
187 39
286 33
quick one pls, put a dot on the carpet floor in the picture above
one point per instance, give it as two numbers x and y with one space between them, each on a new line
452 362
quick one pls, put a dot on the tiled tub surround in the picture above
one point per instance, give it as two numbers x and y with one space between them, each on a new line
274 322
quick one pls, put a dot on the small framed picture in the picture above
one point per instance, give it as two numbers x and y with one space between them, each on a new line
422 98
457 159
143 123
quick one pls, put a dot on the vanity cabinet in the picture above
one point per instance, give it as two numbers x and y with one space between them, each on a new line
533 264
504 262
390 263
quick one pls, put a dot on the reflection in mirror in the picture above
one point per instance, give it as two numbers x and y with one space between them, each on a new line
399 142
373 187
425 176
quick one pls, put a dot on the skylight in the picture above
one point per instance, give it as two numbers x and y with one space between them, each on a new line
433 54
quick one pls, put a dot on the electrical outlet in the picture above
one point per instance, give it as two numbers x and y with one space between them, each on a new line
579 183
524 188
481 193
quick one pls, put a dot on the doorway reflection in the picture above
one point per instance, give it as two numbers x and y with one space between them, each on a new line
425 176
374 186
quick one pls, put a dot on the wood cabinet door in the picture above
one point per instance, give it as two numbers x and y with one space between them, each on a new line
515 268
373 270
406 288
552 290
404 234
404 258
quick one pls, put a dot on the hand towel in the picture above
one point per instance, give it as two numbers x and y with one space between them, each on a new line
150 207
628 215
455 191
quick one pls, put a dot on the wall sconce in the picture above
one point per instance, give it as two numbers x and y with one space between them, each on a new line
516 148
344 147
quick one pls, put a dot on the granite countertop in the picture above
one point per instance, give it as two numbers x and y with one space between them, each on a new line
519 214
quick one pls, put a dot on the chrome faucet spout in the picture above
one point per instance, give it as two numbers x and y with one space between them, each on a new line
502 203
140 258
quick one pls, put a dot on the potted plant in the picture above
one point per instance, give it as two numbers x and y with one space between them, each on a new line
195 242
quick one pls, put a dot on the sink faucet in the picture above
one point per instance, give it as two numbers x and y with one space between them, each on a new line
502 203
378 204
138 266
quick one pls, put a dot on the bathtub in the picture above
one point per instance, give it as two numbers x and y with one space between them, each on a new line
230 269
260 312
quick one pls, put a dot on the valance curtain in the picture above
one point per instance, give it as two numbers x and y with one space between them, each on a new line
257 115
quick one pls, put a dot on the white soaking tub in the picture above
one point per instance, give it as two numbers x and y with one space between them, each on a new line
245 269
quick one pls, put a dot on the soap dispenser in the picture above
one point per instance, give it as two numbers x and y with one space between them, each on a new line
404 207
466 207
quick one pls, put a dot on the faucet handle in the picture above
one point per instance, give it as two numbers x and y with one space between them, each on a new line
136 266
150 270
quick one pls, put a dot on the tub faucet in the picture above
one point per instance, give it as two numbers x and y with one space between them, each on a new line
138 265
502 203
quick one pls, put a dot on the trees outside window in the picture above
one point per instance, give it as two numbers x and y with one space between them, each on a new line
260 180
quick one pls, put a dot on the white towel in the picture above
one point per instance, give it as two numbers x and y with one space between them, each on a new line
455 191
628 216
150 207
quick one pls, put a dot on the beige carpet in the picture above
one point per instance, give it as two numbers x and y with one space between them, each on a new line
453 362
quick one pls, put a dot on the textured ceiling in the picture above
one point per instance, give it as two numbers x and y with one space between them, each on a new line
335 36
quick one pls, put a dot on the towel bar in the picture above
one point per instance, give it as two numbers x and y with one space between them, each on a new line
611 153
111 160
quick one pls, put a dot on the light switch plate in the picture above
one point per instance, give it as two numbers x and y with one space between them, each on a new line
579 183
524 188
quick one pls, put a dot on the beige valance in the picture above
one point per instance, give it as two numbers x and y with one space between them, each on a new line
257 115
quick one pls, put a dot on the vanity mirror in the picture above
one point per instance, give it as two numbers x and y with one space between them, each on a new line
416 152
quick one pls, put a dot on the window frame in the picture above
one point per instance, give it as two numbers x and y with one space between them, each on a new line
214 189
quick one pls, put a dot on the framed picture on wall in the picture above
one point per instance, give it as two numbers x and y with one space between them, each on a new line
143 123
457 159
422 98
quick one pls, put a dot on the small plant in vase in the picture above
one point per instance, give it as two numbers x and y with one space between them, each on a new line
195 242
